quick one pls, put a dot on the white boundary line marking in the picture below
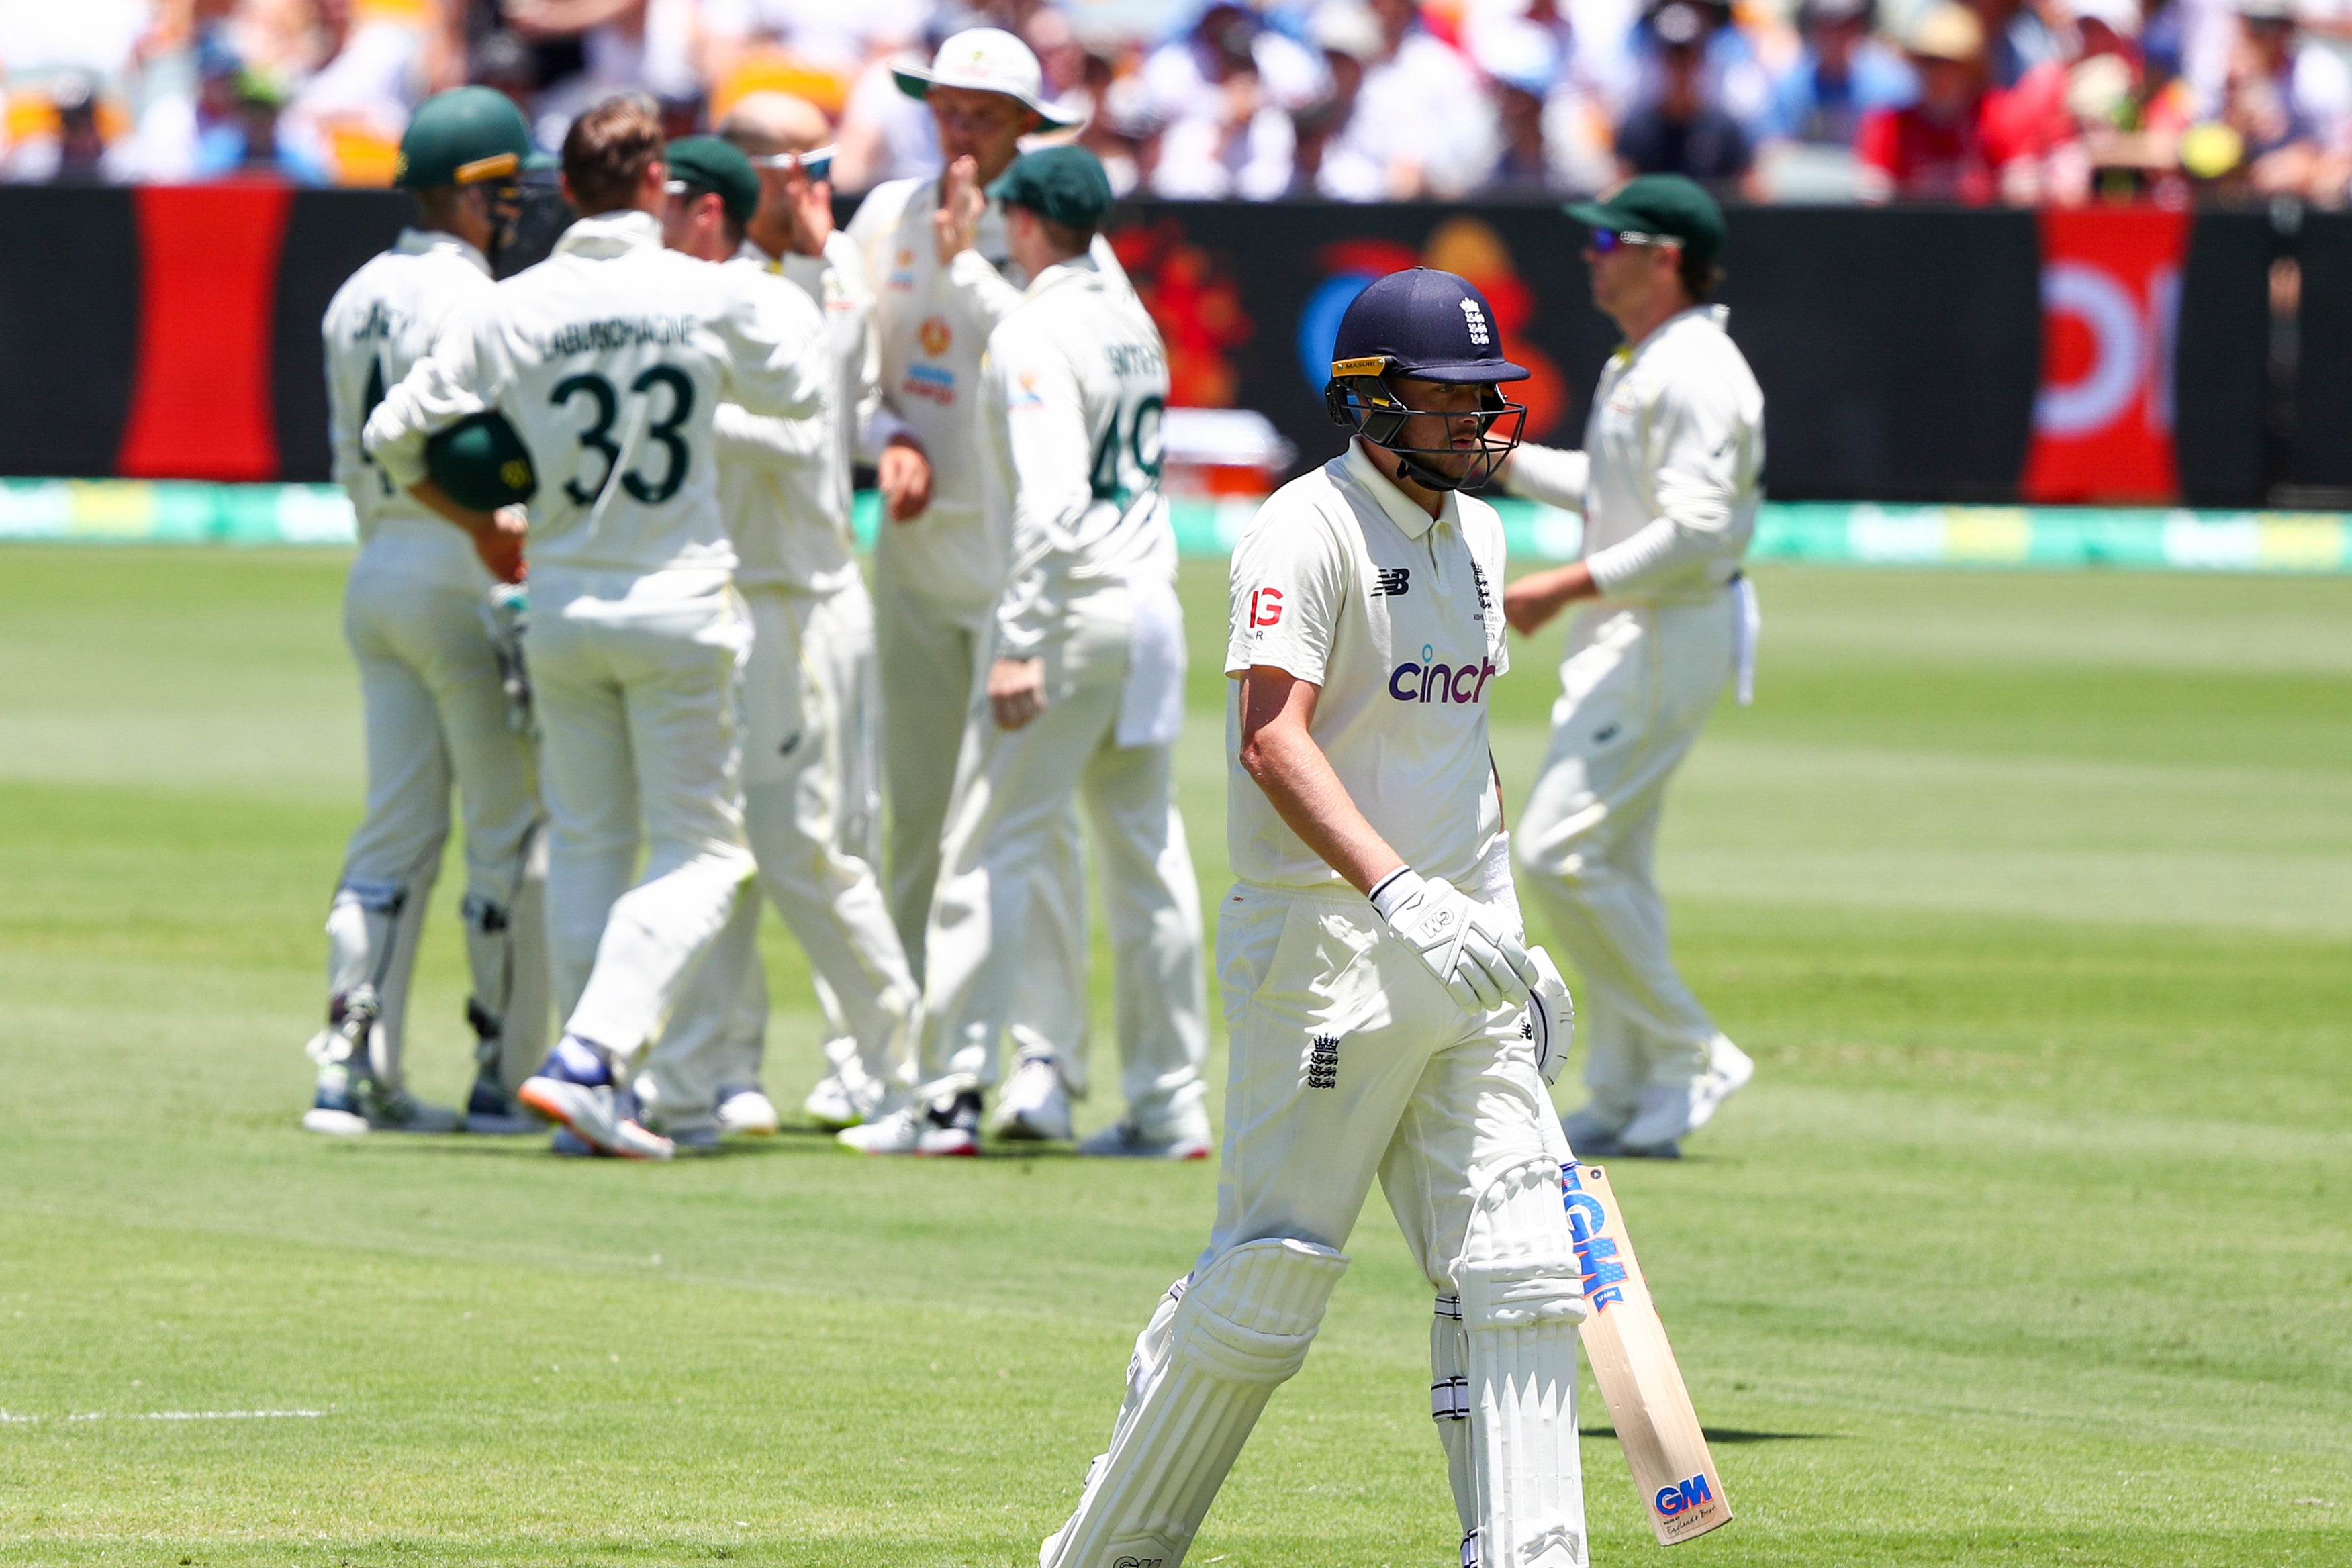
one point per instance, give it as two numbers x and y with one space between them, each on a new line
12 1419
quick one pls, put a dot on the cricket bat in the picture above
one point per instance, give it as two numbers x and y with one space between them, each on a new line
1664 1446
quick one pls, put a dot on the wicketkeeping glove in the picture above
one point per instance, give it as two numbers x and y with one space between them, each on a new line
1471 947
1551 1017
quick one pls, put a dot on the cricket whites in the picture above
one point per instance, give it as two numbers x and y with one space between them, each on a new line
1635 1366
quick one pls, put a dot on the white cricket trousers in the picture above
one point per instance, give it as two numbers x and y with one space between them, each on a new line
435 714
930 659
1013 793
1349 1060
812 813
636 676
1637 684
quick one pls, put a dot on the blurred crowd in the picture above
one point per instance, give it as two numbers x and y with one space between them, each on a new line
2021 101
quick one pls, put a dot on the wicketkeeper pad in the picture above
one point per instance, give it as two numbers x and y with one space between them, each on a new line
1239 1330
1504 1395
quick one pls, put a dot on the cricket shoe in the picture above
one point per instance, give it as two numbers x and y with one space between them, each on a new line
1667 1112
1034 1107
841 1100
491 1111
1125 1140
951 1127
747 1110
566 1088
333 1110
395 1110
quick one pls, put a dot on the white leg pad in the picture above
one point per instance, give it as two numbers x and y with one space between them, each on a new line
1522 1296
1449 1406
1203 1373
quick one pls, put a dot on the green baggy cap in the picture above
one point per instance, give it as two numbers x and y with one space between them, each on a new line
1670 205
462 136
1065 184
707 163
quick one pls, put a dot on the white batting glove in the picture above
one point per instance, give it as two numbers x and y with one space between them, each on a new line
1473 948
1551 1017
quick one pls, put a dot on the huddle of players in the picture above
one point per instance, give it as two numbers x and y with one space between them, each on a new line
680 390
1388 1017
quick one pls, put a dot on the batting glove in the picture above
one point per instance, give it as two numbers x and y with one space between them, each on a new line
1551 1017
1473 948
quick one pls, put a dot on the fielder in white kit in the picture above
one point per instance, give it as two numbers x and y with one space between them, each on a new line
609 361
784 487
430 678
1375 979
1085 695
939 566
1669 482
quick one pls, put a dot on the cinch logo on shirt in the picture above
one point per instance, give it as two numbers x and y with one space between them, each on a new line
1428 681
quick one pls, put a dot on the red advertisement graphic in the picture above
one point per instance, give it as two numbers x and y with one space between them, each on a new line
2110 305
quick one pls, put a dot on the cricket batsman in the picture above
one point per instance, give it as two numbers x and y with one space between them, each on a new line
939 567
1669 482
417 616
1084 698
608 362
1376 981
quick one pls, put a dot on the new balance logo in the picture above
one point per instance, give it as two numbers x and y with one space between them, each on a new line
1323 1062
1476 320
1392 579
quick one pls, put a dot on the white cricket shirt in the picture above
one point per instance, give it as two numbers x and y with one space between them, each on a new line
784 484
1672 466
383 321
1398 616
1075 384
610 359
931 326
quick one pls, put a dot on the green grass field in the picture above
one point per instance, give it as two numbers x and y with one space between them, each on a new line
2031 895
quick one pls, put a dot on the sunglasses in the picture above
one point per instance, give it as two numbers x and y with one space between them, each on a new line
1606 240
816 164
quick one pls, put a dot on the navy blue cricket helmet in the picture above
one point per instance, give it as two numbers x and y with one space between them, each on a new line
1424 325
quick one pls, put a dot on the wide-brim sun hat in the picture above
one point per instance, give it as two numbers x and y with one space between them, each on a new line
985 60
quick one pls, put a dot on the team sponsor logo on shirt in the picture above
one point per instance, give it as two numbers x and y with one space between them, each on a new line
934 335
1390 580
1265 607
902 275
383 322
1025 392
929 383
1478 576
1432 682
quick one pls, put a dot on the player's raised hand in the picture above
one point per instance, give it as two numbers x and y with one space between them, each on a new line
808 204
904 473
956 226
1468 946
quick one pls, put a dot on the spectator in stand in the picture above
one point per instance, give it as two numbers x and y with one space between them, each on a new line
1088 89
1933 149
2289 102
1347 36
1682 131
2093 121
1420 125
1554 120
1841 74
1520 61
590 49
1223 95
2016 37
